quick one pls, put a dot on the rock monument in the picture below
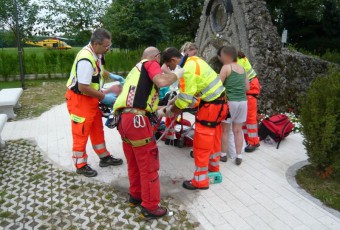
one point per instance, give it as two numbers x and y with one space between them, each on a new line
246 24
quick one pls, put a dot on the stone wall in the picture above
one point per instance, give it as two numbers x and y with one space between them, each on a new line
247 25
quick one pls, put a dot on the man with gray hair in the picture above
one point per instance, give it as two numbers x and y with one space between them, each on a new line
83 96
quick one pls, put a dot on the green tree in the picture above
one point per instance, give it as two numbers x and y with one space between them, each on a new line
27 16
72 16
312 24
185 19
134 22
7 39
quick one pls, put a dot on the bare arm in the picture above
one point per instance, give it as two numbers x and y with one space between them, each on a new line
162 80
247 83
225 72
106 73
89 91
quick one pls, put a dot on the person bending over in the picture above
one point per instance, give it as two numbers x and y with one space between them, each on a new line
135 104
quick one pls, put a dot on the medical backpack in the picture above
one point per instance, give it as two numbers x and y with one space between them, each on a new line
278 127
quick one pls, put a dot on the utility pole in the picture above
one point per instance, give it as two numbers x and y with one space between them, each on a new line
20 55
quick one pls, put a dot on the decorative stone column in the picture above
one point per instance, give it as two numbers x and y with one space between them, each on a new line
246 24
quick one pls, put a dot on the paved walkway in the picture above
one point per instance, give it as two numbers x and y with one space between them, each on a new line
34 194
255 195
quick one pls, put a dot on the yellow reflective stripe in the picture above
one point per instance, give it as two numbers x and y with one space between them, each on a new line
201 169
210 86
77 119
138 143
185 97
214 163
250 71
251 74
99 146
201 177
181 104
213 156
78 154
134 111
215 94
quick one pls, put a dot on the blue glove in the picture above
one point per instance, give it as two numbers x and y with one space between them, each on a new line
109 99
117 78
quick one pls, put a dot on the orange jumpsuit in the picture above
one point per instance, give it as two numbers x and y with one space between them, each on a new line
201 81
86 117
251 128
86 107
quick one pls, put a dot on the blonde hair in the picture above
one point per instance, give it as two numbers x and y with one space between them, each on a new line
188 46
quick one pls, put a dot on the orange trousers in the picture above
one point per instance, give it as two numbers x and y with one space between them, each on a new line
86 121
170 123
207 142
251 128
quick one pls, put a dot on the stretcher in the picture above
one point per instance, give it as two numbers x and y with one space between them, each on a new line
184 130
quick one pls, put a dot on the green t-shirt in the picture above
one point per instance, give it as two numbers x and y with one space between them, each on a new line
235 86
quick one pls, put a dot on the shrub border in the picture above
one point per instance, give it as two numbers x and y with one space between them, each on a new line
290 176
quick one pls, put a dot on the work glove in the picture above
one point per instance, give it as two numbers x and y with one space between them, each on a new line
179 72
109 99
116 77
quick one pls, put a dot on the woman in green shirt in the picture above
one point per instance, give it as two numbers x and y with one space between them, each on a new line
236 82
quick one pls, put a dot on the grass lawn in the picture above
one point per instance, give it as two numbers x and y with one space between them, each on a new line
40 96
326 190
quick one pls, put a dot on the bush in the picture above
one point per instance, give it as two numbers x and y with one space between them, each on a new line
8 65
331 56
321 126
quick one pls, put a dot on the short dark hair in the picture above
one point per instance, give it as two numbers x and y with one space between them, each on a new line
99 35
219 51
228 50
169 53
240 54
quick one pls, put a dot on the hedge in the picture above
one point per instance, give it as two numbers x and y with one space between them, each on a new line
60 61
320 118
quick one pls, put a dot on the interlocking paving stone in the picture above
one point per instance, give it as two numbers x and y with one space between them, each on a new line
36 195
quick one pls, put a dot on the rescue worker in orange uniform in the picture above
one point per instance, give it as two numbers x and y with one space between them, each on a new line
83 97
201 81
189 49
135 106
251 128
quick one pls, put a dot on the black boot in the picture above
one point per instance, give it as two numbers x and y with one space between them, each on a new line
134 202
251 148
87 171
154 214
238 161
110 160
224 158
188 185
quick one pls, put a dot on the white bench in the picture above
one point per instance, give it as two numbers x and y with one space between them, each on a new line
9 99
3 119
